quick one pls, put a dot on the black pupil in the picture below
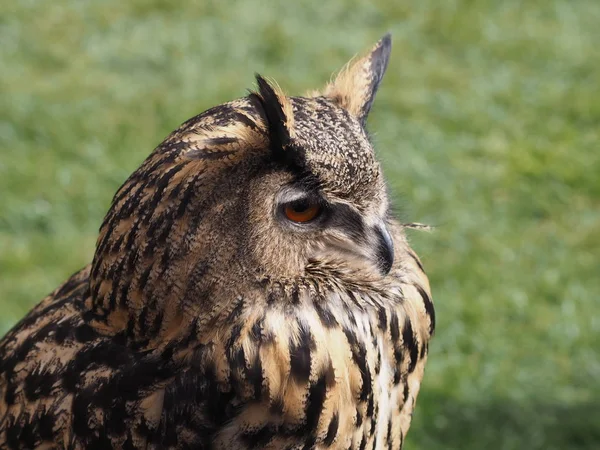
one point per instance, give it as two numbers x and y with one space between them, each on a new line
300 206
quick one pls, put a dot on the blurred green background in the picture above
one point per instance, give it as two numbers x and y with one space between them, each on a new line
487 124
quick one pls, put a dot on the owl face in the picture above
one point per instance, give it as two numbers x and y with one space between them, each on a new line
326 196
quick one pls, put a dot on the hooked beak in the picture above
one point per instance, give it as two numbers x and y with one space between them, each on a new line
384 249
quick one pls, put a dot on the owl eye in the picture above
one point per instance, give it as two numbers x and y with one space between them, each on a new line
302 211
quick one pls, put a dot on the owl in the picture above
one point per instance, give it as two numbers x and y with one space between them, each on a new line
250 289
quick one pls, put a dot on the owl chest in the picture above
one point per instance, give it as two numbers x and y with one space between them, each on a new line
300 380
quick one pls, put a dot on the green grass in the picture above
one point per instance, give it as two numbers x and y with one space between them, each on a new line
487 124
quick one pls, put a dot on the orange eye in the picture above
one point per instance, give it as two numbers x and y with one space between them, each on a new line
302 211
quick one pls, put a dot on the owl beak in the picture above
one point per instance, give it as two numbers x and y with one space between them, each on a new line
384 249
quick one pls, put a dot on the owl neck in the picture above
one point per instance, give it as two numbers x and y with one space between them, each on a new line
159 287
151 306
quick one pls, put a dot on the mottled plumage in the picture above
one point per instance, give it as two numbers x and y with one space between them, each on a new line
210 319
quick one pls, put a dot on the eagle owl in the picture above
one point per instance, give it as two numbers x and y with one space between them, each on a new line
249 290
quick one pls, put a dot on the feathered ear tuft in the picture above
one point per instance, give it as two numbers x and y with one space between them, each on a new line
278 111
355 86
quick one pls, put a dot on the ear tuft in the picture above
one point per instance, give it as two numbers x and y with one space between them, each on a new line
278 111
356 84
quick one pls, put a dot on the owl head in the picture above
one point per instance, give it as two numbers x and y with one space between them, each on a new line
264 187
